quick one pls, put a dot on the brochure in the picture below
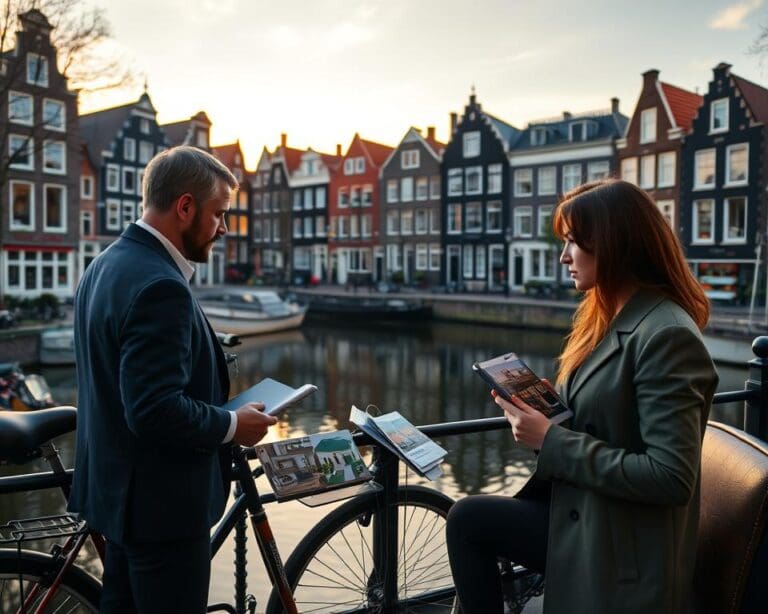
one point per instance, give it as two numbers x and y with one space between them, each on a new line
275 396
403 439
509 375
312 464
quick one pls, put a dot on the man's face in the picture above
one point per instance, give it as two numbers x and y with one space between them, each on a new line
208 224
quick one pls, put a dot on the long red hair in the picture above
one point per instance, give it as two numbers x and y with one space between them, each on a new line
634 246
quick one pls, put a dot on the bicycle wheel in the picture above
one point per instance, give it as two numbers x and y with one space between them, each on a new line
78 593
331 570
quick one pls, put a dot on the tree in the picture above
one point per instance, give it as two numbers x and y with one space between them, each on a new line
759 47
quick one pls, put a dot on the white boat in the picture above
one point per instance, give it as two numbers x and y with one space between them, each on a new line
250 312
57 346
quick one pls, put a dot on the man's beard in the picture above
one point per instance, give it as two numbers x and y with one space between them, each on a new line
195 248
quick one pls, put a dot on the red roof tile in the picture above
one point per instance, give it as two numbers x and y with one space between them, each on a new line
377 152
291 156
226 154
331 161
682 103
756 97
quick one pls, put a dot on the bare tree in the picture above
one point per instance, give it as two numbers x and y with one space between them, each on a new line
759 47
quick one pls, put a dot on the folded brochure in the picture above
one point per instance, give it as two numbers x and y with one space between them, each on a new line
312 464
275 396
403 439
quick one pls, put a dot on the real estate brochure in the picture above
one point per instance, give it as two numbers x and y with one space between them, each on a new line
403 439
509 375
313 464
275 396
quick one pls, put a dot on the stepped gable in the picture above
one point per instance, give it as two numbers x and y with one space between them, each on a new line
99 129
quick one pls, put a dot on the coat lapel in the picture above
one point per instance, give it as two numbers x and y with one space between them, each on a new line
604 350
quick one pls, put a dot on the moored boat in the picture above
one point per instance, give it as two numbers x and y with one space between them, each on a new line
57 346
368 308
250 312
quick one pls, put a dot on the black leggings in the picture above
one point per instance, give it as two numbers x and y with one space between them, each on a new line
484 527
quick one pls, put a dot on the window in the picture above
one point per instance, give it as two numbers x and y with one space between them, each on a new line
422 188
468 260
129 212
257 203
455 182
86 187
22 206
349 166
146 151
454 218
308 227
129 180
421 221
297 200
113 214
547 180
277 176
421 257
256 225
434 222
86 223
545 220
301 258
392 193
538 136
319 225
409 159
343 221
54 208
54 114
648 126
523 220
737 160
20 150
703 210
308 195
406 189
473 175
37 70
129 149
480 262
718 115
493 216
577 131
666 173
524 182
667 208
354 196
571 176
394 258
320 197
393 222
276 230
20 108
735 220
471 144
648 171
474 217
144 126
704 173
366 225
297 228
343 198
201 139
629 170
406 223
542 264
54 157
113 178
354 226
494 178
597 170
267 199
359 165
434 186
434 256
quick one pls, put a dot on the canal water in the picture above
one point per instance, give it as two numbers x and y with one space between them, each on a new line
423 371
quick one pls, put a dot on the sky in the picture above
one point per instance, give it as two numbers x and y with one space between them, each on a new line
321 70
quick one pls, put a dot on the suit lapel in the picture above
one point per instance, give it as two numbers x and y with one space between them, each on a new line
213 344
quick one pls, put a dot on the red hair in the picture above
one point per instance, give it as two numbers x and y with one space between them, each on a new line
633 245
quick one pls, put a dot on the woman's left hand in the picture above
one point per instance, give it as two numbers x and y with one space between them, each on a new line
529 426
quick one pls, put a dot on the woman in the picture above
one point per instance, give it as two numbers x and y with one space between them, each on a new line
611 512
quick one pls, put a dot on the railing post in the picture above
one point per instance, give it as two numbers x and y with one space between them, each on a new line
756 408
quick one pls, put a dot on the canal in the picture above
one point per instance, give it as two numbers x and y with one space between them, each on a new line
424 372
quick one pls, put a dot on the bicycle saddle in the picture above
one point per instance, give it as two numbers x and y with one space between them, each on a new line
22 433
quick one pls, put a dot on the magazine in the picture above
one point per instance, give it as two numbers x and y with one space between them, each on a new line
508 375
275 396
312 464
403 439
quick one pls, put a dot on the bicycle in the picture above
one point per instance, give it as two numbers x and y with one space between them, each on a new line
381 551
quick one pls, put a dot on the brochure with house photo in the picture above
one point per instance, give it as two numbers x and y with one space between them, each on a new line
509 375
312 464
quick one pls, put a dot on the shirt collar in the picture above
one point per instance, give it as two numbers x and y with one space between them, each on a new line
186 268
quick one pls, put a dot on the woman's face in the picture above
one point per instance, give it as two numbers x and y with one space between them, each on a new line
581 264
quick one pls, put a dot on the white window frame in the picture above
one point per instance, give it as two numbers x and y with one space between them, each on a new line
63 204
86 181
741 182
44 73
697 155
146 151
129 149
144 126
566 167
319 225
16 226
422 257
469 170
572 125
476 206
434 187
629 170
406 222
542 191
520 179
695 238
648 171
467 261
544 212
366 225
471 144
518 213
393 191
727 239
297 227
435 255
113 186
126 170
349 166
128 213
62 125
31 99
112 208
667 203
320 196
434 222
308 199
495 178
661 180
86 216
30 146
359 165
648 120
422 188
458 219
421 221
480 262
409 159
393 223
720 102
340 201
598 170
62 145
457 176
406 189
493 206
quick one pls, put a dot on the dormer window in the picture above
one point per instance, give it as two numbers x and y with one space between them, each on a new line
577 131
648 126
718 115
202 139
538 136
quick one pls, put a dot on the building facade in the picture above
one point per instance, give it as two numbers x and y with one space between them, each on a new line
410 209
724 172
40 167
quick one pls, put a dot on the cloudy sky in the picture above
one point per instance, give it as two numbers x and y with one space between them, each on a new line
321 70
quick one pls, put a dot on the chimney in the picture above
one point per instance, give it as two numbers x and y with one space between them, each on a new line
338 150
454 121
283 139
650 77
567 115
431 133
615 104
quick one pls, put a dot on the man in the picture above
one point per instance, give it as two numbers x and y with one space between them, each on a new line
151 470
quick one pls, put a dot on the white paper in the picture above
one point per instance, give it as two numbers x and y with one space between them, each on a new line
275 396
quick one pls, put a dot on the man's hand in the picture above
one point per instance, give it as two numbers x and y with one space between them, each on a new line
529 426
252 424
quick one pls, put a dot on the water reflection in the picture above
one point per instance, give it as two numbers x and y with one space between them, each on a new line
424 372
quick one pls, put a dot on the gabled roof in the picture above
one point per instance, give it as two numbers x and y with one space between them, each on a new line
180 132
755 96
226 154
508 133
681 103
377 152
291 157
331 161
433 146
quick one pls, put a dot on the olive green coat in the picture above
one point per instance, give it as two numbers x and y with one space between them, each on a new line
625 472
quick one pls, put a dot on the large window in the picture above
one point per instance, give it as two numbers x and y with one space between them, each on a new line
494 178
343 198
543 263
471 144
480 261
393 222
421 221
37 70
319 225
406 222
54 114
34 271
468 255
146 151
309 194
737 164
392 191
434 186
493 216
113 178
735 220
434 222
297 200
421 257
547 180
523 221
20 108
22 205
597 170
129 149
704 171
434 256
648 125
409 158
718 115
297 228
454 218
524 182
703 230
129 180
455 182
54 208
571 176
113 214
354 196
320 197
86 223
422 188
20 150
666 175
473 176
648 171
406 189
545 220
366 225
629 170
474 217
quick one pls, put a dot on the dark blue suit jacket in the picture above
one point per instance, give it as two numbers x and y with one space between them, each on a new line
151 376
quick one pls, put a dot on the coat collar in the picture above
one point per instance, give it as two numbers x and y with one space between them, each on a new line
636 309
136 233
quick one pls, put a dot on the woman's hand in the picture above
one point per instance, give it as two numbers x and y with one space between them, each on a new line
529 426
